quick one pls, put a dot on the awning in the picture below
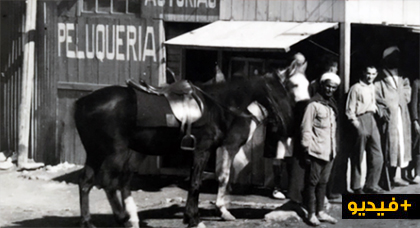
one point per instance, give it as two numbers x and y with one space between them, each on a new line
249 35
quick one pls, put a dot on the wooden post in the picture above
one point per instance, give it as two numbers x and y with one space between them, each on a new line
27 83
345 49
341 161
162 55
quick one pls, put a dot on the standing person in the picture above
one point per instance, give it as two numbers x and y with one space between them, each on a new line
293 78
319 142
415 113
360 110
393 93
276 148
329 64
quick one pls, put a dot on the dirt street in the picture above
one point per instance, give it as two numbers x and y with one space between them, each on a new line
49 197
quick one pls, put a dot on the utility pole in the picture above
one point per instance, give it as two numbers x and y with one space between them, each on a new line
27 85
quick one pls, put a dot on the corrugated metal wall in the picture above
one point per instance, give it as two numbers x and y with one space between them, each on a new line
85 51
11 57
90 51
282 10
402 12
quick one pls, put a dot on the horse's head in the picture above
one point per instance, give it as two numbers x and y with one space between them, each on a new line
274 97
286 88
294 79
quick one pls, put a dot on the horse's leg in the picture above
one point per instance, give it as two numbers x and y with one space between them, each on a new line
121 216
129 205
86 180
201 157
225 154
223 164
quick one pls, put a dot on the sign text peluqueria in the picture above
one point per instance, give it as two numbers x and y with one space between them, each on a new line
107 42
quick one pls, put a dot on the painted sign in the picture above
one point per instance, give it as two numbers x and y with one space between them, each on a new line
107 50
184 7
210 4
206 4
107 42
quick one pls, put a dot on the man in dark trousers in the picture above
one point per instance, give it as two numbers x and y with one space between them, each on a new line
318 130
360 110
414 165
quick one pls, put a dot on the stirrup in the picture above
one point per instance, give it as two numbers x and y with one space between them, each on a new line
188 142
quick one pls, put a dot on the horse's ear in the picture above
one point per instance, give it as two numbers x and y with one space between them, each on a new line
303 67
172 74
283 75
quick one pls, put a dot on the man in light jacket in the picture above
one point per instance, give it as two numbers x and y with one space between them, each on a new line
319 142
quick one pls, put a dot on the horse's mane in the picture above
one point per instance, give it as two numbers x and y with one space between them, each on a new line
238 95
249 85
229 100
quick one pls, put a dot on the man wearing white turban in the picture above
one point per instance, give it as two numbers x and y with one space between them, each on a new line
318 131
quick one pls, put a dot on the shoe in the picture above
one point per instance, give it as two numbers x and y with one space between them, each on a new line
313 221
278 195
399 183
324 217
410 180
373 190
358 191
417 179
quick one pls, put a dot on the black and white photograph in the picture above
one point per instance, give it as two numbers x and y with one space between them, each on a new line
209 113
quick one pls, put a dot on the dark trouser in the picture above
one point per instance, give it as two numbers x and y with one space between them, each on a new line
296 181
316 180
298 166
368 139
278 167
414 164
277 173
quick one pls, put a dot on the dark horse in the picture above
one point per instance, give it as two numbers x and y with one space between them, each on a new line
108 127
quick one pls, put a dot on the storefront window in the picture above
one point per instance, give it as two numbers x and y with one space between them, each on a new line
103 6
256 68
119 6
89 5
110 6
246 67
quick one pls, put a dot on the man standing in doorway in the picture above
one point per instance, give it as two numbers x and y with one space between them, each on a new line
414 165
360 109
393 93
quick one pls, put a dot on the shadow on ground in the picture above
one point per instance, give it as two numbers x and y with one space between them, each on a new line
154 183
162 214
149 183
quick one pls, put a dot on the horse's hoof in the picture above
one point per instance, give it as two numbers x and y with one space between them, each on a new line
200 225
227 216
132 224
87 225
186 220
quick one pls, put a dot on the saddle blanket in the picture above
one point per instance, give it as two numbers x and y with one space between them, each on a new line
154 111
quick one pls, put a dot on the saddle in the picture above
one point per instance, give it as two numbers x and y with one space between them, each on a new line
186 106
